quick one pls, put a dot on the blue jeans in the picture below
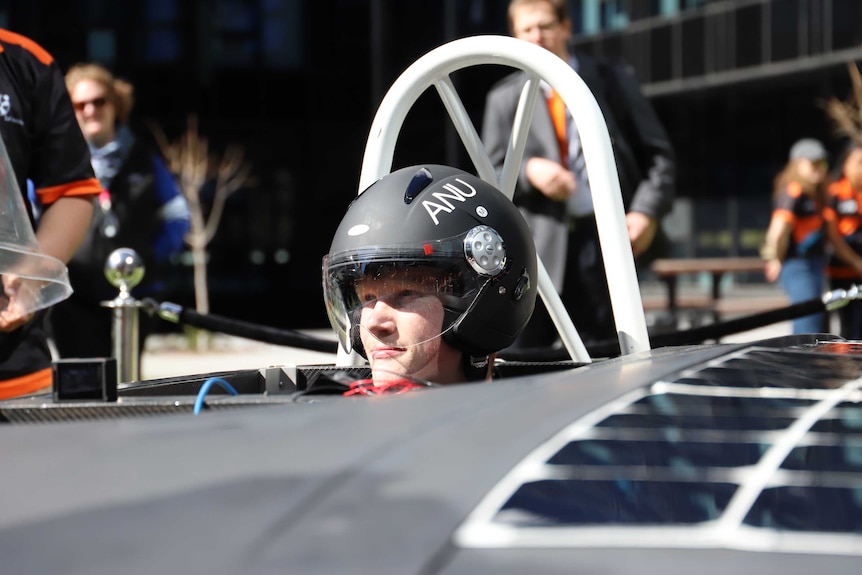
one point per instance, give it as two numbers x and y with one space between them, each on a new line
802 279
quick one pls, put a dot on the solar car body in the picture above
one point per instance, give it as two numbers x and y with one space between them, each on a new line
736 458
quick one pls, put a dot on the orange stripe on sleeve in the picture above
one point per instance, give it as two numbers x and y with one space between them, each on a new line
841 189
88 187
785 216
847 226
12 38
26 384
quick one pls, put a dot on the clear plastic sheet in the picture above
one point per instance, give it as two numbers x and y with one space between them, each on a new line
31 280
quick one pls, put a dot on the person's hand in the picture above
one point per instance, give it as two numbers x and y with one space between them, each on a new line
642 230
12 306
550 178
772 269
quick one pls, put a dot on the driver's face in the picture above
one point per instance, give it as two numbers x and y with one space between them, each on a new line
400 328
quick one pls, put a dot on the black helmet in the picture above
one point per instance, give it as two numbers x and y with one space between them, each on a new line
438 217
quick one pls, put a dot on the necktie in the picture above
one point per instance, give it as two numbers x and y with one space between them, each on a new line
581 203
558 116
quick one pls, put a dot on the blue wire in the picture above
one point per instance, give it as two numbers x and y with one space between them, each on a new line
199 402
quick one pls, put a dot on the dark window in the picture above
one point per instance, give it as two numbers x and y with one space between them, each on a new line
662 54
283 34
163 43
785 30
846 24
162 11
102 45
100 12
614 15
645 9
749 34
693 31
236 42
612 47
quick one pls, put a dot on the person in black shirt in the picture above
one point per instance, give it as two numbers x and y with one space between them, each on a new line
45 146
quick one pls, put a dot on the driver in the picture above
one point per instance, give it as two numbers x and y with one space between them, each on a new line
431 271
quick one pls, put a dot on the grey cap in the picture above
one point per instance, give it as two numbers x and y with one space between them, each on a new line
808 148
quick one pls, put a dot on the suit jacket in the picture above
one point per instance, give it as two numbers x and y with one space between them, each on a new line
642 151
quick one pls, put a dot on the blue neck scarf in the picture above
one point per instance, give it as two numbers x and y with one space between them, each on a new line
108 159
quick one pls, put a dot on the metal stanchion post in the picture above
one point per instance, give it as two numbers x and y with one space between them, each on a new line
124 269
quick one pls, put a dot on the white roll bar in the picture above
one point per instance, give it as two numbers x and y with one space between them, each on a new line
434 69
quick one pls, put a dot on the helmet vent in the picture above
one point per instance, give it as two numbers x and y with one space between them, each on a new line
420 180
485 250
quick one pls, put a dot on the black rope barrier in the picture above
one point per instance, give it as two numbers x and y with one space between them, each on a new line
738 325
610 348
607 348
290 338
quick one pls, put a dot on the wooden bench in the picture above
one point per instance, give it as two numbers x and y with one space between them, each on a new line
669 270
751 304
738 305
659 302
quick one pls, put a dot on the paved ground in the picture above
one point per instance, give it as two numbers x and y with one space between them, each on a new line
167 356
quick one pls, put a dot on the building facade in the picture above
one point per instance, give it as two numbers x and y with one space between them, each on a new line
736 82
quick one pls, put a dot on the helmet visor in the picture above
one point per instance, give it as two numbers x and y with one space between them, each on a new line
433 281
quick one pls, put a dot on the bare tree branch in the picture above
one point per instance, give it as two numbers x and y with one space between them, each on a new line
190 159
231 174
847 115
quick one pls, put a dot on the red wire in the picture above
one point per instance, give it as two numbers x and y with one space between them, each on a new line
367 387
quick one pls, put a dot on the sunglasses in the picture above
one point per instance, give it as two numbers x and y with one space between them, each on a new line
96 102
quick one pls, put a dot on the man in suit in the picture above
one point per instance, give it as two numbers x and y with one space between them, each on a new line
553 189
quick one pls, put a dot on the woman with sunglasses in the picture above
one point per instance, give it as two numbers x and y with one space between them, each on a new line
141 208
